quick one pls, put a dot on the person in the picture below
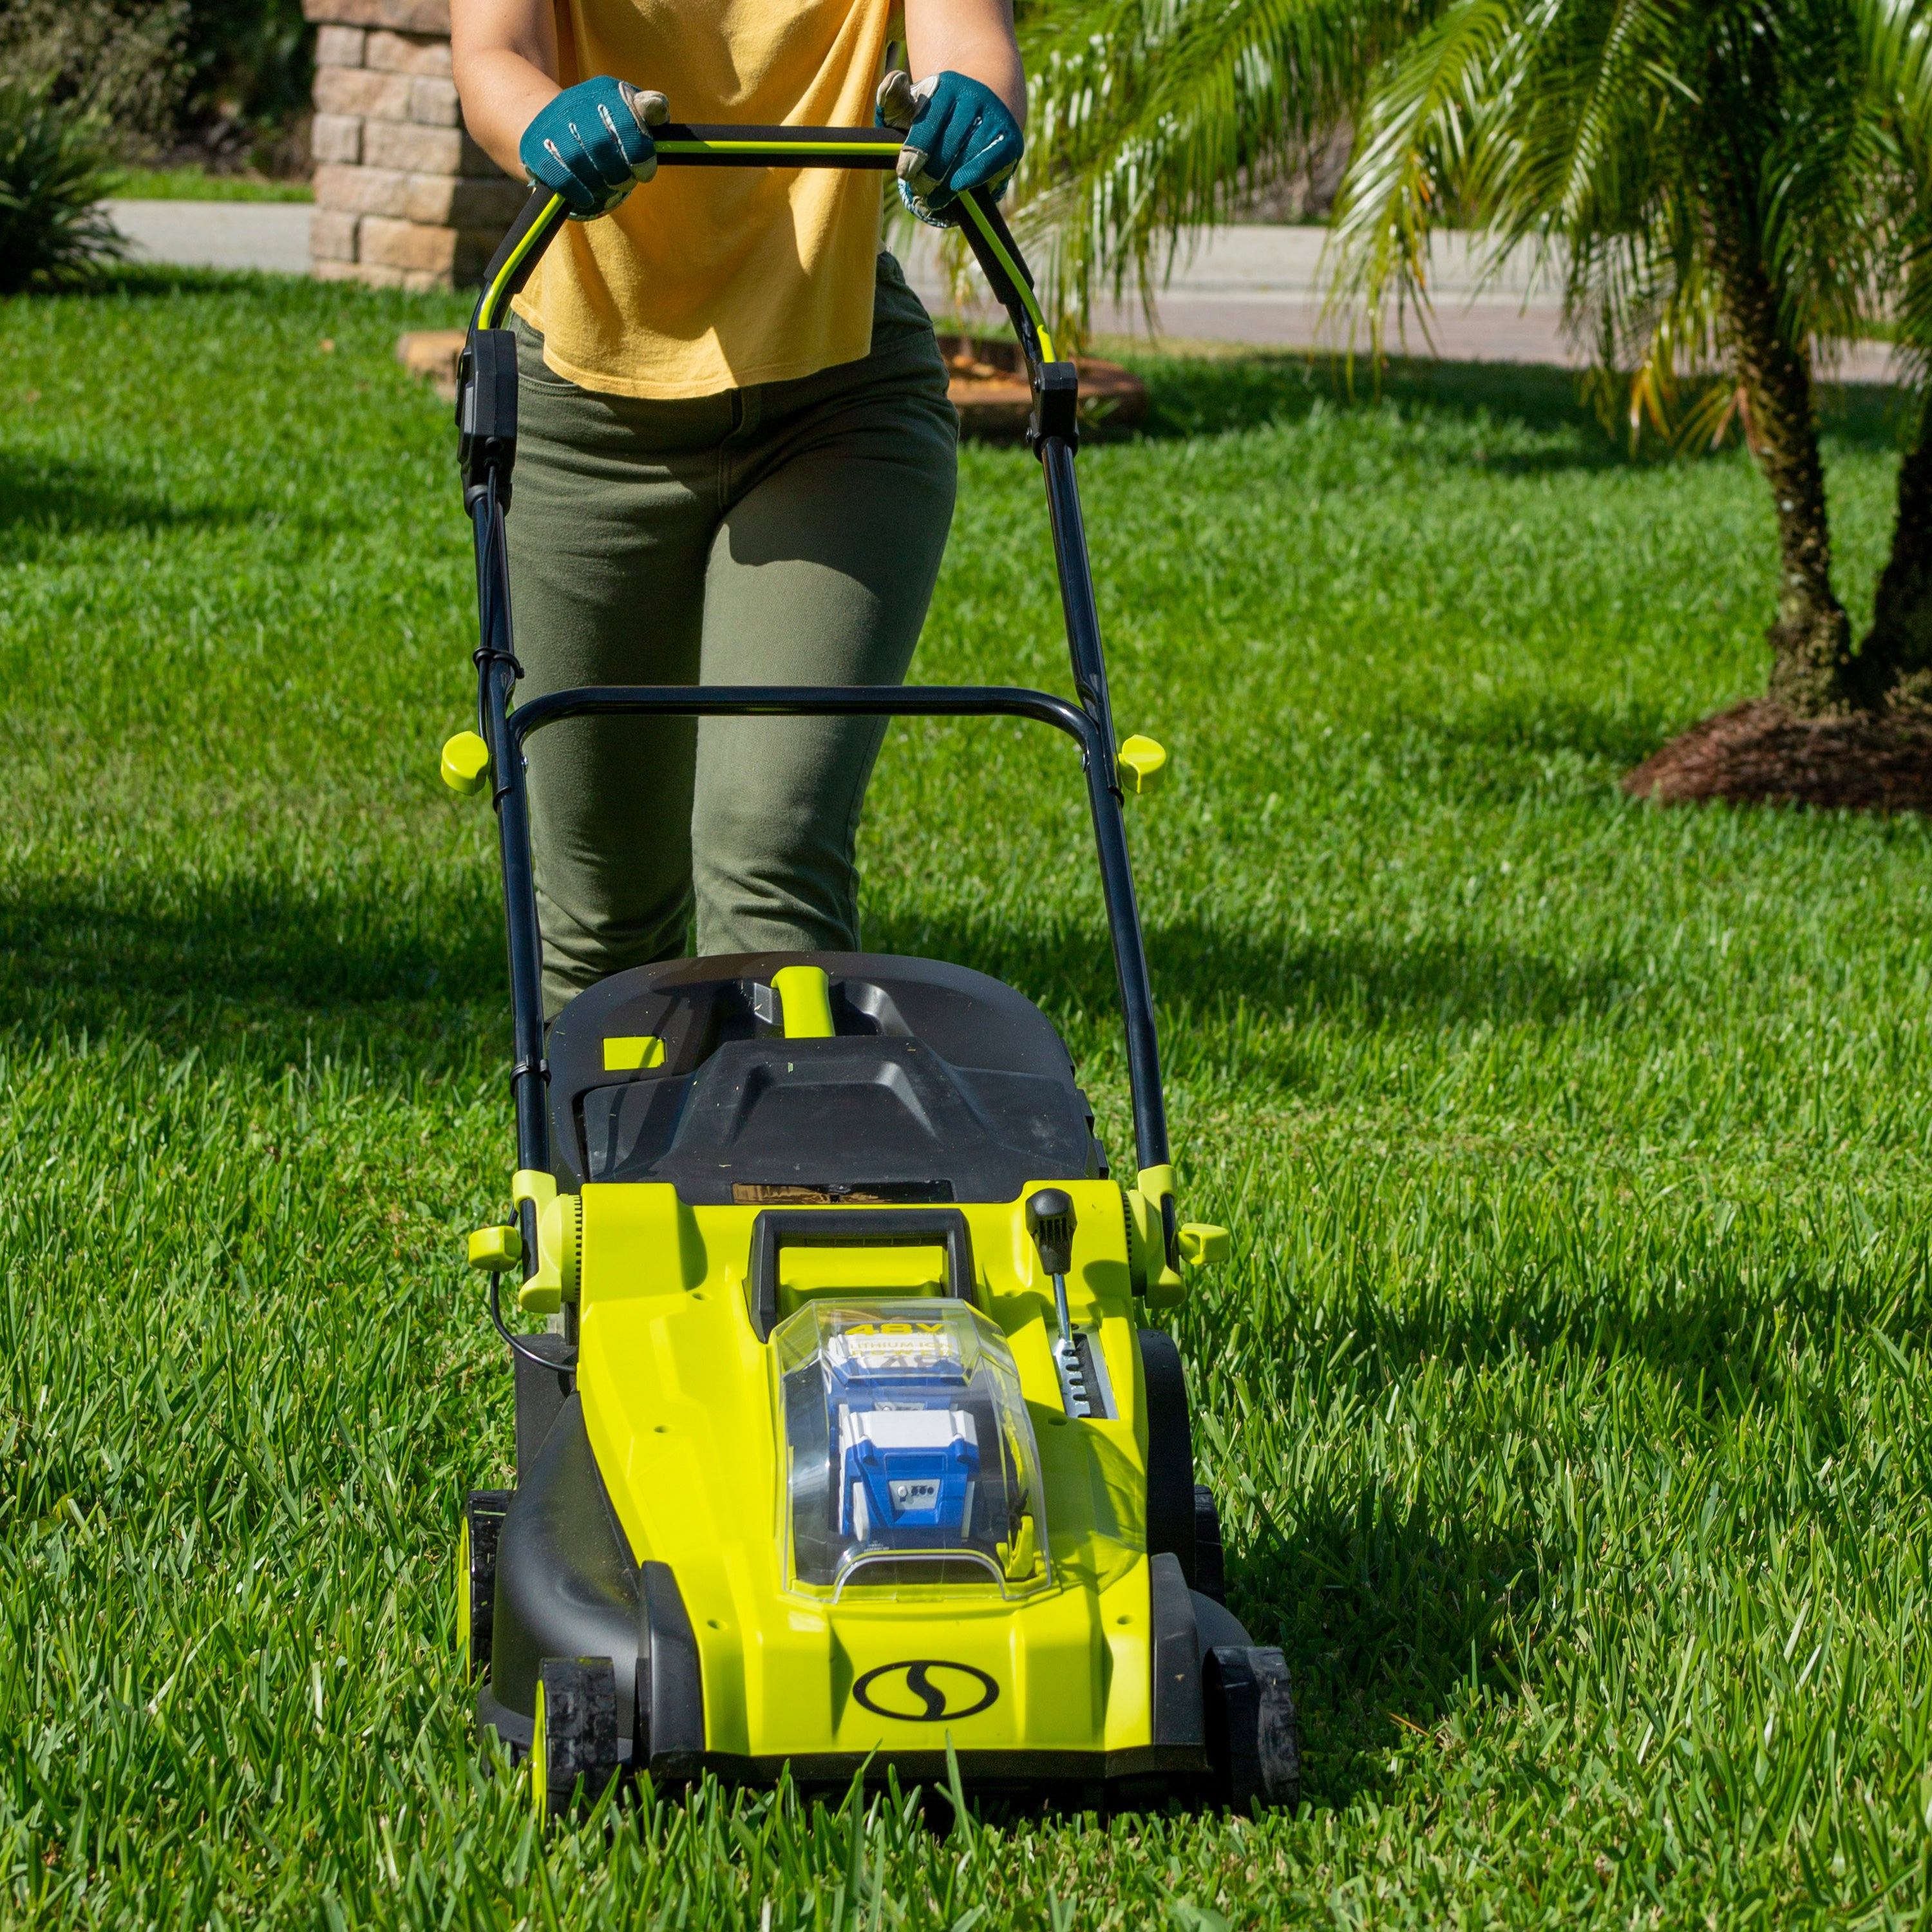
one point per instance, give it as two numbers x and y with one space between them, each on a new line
736 460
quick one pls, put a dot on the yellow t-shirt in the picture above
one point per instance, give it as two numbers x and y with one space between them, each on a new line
714 278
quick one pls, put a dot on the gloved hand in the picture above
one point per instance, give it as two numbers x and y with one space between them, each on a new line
958 134
592 144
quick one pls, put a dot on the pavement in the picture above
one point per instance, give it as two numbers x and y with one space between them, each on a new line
1258 285
267 235
1262 285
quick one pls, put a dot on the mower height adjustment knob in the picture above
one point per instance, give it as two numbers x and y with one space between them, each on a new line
1049 1220
465 763
1141 766
493 1249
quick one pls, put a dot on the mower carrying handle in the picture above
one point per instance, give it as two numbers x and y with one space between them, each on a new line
777 1227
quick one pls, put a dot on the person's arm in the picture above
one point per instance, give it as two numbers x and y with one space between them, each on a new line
504 57
590 143
973 37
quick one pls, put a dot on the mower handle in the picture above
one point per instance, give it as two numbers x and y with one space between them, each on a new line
729 145
486 415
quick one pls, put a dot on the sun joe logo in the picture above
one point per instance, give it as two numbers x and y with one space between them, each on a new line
928 1690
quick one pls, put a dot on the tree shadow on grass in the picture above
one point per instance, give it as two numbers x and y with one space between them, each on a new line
257 975
44 497
1189 396
1497 748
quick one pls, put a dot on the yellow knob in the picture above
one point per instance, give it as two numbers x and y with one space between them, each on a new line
1142 765
495 1248
465 763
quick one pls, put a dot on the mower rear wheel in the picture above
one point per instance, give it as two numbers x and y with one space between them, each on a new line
573 1746
1254 1736
483 1513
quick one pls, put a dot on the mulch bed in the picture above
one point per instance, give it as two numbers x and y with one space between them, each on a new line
988 385
1758 754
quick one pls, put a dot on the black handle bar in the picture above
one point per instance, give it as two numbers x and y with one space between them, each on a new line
728 145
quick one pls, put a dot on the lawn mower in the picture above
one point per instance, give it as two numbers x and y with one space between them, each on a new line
849 1446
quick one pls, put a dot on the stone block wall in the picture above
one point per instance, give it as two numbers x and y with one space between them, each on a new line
403 197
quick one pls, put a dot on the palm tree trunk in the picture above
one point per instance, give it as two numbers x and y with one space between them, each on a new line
1894 664
1811 642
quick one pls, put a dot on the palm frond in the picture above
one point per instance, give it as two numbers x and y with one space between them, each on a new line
1150 118
1415 139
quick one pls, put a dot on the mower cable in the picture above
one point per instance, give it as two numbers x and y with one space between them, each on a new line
518 1345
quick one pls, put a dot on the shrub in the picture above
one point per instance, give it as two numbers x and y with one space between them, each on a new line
51 160
253 61
124 63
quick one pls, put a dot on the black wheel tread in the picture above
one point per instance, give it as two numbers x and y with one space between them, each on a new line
1210 1570
1254 1736
579 1696
484 1510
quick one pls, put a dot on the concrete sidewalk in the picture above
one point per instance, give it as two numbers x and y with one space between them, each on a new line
1264 285
270 235
1259 285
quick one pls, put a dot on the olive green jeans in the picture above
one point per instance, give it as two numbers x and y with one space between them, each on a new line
787 533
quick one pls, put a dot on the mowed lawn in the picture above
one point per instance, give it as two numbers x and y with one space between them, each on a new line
1568 1397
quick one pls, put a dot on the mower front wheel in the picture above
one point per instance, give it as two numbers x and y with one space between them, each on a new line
1254 1736
573 1746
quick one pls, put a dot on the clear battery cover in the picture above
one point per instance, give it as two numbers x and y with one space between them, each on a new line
910 1458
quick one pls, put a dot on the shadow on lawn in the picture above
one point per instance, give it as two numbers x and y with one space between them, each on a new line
42 495
1376 1606
1210 395
403 979
1199 969
1499 747
1384 1599
250 971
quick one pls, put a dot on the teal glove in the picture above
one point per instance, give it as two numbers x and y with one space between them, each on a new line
961 136
592 144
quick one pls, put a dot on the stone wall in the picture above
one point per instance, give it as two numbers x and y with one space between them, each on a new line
403 197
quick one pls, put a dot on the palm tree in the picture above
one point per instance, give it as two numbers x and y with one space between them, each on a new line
1896 659
1718 183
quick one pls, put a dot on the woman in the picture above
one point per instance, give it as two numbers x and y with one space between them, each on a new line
735 459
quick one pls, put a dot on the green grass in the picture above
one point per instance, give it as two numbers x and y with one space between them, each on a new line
1569 1395
194 183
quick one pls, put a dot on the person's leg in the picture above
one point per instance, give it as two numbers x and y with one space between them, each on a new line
610 526
842 487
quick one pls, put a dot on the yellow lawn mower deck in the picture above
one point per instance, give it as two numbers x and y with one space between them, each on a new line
850 1442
